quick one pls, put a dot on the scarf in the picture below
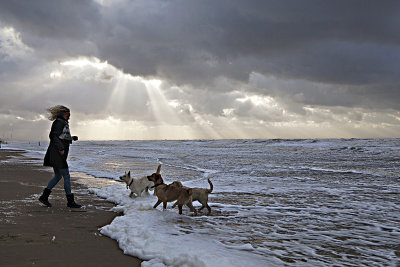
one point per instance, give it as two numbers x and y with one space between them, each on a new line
66 134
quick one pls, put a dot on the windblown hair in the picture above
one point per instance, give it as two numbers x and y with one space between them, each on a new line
57 111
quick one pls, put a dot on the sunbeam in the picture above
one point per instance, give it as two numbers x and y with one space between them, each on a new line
162 111
117 97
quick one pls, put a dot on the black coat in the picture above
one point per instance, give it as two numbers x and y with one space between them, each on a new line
53 158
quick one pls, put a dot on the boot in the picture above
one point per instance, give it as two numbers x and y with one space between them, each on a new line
44 198
71 202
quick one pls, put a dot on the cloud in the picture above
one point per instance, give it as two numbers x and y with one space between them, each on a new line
242 65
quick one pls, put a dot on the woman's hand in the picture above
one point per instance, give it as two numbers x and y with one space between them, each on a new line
62 152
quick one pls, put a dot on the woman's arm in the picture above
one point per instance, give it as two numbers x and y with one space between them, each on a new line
56 131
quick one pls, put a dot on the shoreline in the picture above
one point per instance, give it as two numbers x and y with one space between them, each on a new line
31 233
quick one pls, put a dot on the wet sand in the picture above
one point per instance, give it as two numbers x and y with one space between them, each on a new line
32 234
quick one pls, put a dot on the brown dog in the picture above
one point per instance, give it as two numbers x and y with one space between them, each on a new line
199 194
168 193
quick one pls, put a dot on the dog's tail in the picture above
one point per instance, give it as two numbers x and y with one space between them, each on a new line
158 169
211 186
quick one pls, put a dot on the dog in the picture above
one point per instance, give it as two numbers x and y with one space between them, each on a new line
199 194
137 186
168 193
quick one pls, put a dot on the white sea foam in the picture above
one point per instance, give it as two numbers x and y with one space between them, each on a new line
165 238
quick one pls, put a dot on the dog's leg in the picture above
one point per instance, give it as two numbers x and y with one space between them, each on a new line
203 204
209 209
158 203
176 203
190 205
180 209
165 205
130 195
137 193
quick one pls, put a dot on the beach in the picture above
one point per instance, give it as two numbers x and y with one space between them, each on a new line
32 234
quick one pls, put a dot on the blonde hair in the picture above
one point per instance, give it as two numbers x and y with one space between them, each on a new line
57 111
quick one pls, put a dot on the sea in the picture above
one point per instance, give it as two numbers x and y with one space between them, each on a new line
302 202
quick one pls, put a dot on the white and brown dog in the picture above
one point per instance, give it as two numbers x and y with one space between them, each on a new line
137 186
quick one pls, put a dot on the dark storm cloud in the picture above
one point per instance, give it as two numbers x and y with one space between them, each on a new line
337 42
53 28
341 52
72 19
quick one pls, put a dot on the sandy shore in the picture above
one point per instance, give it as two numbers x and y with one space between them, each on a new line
31 234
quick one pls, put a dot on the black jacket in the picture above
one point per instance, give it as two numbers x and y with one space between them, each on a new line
53 158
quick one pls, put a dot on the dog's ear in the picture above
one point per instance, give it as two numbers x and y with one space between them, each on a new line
158 169
158 178
190 191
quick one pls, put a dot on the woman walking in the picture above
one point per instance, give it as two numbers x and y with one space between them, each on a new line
57 153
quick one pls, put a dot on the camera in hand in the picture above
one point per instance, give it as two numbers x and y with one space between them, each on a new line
74 138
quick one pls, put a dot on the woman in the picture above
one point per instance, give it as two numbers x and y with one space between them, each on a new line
57 153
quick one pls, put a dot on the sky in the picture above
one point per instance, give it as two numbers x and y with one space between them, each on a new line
184 69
